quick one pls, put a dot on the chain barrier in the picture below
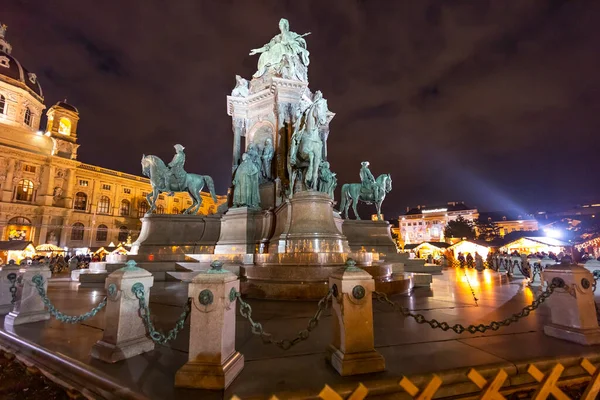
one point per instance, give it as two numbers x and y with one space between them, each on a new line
459 328
159 337
12 278
38 281
267 338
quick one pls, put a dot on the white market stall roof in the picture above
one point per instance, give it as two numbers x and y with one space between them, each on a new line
49 247
536 241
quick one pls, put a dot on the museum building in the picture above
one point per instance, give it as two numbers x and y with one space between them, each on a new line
46 194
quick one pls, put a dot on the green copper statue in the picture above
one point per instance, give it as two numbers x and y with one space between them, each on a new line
173 178
286 51
369 191
245 183
327 179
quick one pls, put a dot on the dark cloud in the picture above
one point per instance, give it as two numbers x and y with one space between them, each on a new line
494 103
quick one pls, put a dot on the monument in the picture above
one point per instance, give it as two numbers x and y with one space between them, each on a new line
281 230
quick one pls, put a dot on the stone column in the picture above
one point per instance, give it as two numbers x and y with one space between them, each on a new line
47 192
573 309
7 191
213 361
29 306
69 195
124 330
7 271
353 349
238 127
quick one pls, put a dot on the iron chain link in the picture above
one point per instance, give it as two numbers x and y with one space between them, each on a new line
596 274
459 328
38 280
156 336
267 338
12 278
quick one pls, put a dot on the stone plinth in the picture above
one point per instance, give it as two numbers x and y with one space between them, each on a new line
167 237
573 309
6 272
353 349
305 224
124 333
213 361
244 231
29 306
370 236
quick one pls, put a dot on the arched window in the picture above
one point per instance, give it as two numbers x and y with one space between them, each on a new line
160 210
2 104
125 206
123 233
142 208
102 233
64 126
104 205
80 201
175 210
25 190
77 231
19 228
27 118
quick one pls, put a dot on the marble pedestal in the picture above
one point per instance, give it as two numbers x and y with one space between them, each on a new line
124 334
370 236
353 349
244 231
213 361
11 270
29 306
168 237
573 311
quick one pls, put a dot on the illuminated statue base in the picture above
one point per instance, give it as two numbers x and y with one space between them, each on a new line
369 236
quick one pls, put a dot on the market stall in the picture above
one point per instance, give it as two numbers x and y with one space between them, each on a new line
16 250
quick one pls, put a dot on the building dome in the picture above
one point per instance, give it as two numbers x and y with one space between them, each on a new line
11 70
66 106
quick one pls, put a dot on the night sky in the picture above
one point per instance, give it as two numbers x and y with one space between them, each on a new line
495 103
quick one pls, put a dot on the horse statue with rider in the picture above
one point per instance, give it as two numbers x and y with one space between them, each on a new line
173 178
369 191
306 147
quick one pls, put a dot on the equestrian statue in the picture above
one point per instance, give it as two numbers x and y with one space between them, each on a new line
173 178
369 191
306 147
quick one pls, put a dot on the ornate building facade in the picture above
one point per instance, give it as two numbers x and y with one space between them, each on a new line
46 194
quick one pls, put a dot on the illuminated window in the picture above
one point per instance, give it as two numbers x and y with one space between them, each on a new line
80 201
123 233
126 190
161 197
160 210
27 118
104 205
64 126
2 104
175 210
77 231
125 206
102 233
28 168
105 186
175 200
25 190
142 208
83 182
19 228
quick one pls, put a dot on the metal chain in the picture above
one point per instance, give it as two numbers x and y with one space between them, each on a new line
12 278
596 274
459 328
156 336
38 280
267 338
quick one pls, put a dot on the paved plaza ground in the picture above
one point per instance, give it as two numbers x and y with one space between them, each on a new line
408 348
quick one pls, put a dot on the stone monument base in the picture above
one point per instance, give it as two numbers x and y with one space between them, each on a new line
110 353
355 363
243 231
369 236
586 337
25 317
198 375
170 237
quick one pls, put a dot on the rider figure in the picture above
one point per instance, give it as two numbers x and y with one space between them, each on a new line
176 168
366 178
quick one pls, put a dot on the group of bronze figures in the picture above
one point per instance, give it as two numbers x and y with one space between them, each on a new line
285 56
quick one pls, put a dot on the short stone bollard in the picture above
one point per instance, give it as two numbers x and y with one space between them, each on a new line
124 330
353 349
213 361
29 306
573 309
8 286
